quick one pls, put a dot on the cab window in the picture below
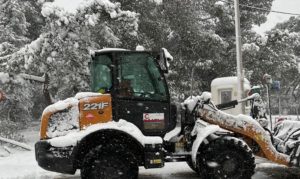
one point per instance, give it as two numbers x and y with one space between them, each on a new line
139 77
101 74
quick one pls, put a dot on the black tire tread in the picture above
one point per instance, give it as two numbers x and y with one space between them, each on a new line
219 145
111 151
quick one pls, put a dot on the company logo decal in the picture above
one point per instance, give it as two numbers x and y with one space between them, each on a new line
153 117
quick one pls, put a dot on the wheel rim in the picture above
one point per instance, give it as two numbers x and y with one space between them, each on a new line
108 169
228 165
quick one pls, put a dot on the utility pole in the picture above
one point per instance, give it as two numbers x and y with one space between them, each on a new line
268 81
192 82
239 60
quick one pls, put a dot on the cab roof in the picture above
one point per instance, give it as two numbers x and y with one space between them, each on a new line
111 50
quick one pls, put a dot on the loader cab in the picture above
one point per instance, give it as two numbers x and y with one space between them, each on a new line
136 82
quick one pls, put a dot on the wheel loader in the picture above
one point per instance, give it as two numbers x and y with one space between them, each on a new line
129 121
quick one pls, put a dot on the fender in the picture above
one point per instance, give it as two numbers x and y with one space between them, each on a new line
72 139
202 131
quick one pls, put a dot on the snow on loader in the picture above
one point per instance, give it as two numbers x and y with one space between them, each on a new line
285 137
129 121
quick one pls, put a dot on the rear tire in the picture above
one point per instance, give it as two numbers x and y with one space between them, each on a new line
226 157
111 161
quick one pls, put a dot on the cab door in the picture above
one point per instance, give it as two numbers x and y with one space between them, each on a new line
142 95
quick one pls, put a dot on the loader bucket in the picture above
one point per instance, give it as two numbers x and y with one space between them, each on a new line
295 155
287 134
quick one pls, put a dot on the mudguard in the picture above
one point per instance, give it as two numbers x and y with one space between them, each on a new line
72 139
202 131
53 153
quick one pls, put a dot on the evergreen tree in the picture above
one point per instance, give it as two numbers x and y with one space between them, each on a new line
62 50
277 54
13 27
199 34
20 22
203 38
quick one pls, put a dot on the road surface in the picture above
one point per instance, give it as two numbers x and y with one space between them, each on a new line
264 170
22 165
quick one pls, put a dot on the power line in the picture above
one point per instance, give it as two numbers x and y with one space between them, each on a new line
264 9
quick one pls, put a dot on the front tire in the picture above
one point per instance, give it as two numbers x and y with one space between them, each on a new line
226 158
111 161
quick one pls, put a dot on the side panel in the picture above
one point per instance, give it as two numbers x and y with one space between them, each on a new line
95 110
151 117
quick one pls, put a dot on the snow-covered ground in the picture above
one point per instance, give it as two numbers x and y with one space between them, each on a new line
22 165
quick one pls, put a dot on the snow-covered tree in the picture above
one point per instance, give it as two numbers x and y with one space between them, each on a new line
13 26
20 22
15 110
272 54
203 37
225 28
199 34
276 53
62 51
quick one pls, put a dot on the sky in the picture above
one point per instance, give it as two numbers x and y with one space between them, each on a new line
68 4
292 6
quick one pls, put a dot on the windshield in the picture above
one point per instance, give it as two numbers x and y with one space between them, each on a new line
139 76
101 74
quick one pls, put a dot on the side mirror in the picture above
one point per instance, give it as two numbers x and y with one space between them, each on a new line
165 57
92 53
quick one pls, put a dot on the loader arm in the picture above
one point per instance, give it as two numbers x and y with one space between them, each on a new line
228 105
245 126
232 104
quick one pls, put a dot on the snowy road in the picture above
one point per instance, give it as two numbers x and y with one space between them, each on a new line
182 171
22 165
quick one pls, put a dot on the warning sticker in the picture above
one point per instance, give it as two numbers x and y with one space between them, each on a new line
154 120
